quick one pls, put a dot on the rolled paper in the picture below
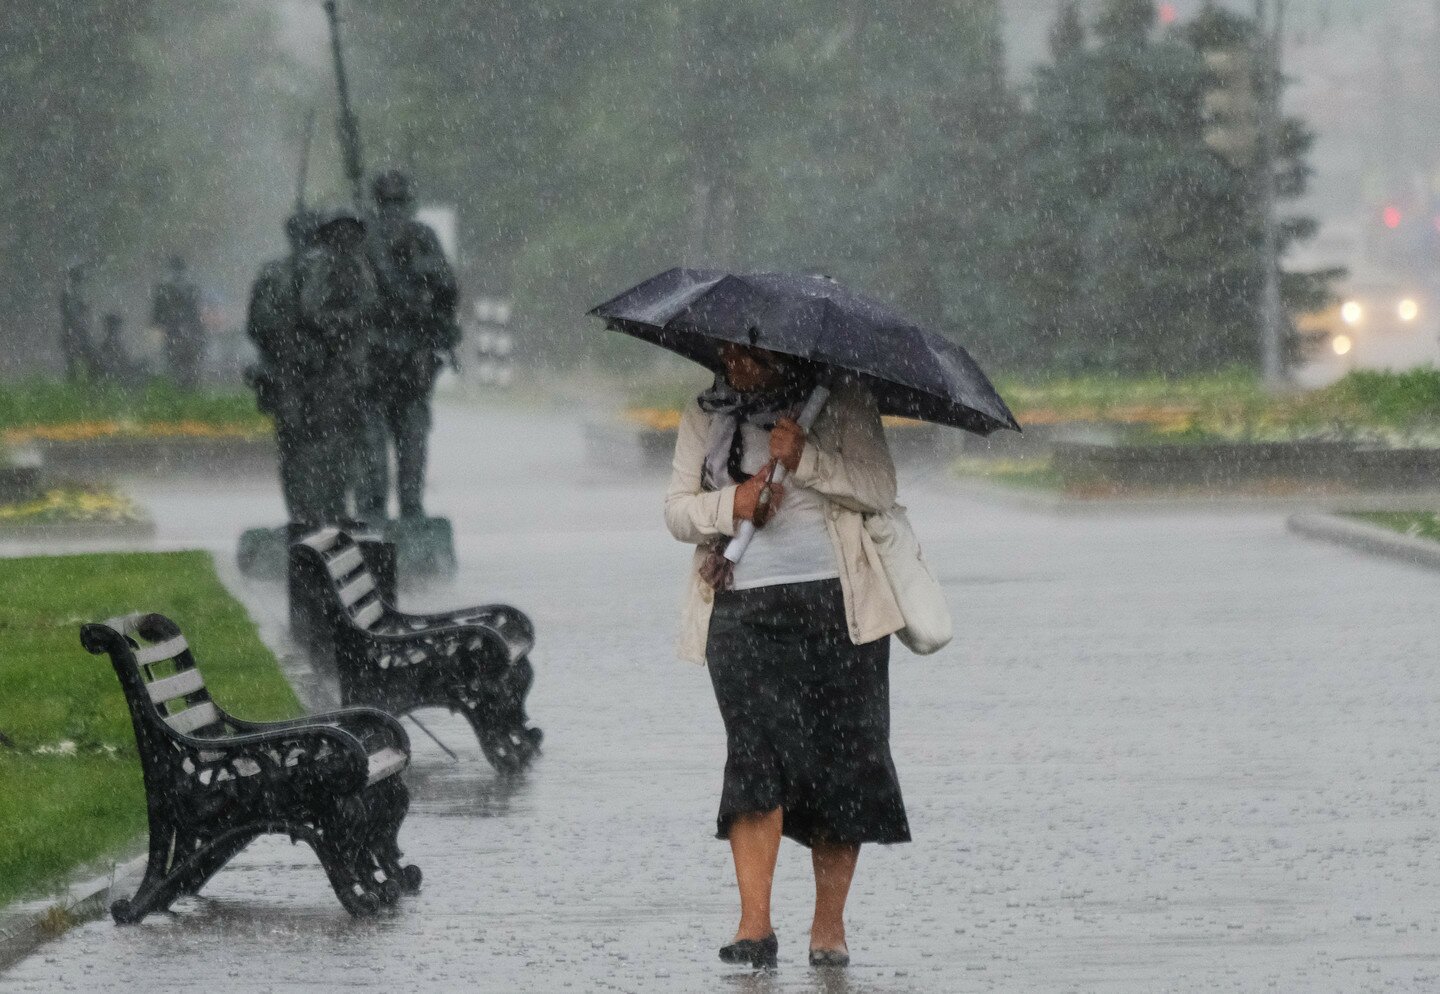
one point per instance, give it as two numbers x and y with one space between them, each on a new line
736 549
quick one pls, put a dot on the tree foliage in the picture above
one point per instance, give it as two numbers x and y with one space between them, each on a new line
591 145
1145 244
75 93
1079 222
130 129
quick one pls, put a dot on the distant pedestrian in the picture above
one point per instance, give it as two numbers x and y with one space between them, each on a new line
175 310
797 638
76 345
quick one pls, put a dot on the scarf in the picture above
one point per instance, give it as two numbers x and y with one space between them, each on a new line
729 411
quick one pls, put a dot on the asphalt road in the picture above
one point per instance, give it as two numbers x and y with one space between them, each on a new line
1177 751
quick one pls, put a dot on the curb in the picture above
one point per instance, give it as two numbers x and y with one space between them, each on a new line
1366 537
65 531
103 458
1299 504
25 927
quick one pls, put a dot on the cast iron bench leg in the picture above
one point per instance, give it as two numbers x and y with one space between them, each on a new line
159 888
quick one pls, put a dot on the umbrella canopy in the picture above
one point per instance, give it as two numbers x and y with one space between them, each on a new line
910 371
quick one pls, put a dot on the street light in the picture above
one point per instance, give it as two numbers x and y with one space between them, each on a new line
1351 312
1408 310
1341 344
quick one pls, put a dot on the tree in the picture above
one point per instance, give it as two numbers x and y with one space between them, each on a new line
1216 30
1060 135
70 177
1145 242
131 129
588 147
1067 34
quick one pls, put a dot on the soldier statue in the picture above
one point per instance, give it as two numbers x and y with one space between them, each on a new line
416 327
274 325
113 364
175 309
337 309
75 343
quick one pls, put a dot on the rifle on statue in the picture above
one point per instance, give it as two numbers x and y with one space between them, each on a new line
304 173
348 124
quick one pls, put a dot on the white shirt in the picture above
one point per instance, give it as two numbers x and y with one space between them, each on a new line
794 546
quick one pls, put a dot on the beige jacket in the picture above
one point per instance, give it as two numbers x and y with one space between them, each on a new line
847 462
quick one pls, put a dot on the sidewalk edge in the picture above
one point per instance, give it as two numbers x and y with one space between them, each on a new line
1365 537
23 929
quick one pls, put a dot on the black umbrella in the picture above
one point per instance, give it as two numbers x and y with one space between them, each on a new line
910 371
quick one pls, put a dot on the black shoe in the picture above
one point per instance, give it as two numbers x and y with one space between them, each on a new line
829 957
757 952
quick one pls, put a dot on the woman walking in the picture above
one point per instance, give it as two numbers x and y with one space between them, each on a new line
797 636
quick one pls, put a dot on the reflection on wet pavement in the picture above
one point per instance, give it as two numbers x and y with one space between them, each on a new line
1176 752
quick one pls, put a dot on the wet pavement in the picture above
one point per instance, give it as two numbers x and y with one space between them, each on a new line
1180 751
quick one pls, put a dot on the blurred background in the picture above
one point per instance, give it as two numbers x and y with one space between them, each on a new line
1065 187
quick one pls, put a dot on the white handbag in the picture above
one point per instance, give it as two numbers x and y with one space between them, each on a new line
928 627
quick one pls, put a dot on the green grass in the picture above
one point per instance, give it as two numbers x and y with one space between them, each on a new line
673 389
1034 473
1421 524
1227 405
60 811
1102 392
43 402
1389 398
1236 405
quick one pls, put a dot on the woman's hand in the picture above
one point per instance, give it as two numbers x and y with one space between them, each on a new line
787 441
750 503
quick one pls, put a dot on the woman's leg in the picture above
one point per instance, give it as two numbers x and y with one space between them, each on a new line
755 843
834 864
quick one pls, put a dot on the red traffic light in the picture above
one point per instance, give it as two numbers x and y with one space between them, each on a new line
1392 217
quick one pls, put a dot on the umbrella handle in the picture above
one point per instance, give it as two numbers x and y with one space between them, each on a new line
737 546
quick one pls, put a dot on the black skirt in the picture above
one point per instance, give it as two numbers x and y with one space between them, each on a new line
807 715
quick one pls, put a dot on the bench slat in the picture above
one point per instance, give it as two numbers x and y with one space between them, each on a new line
369 614
357 588
168 649
344 564
323 540
192 718
384 763
171 687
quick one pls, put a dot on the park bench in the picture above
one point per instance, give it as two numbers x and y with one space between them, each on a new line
214 782
474 661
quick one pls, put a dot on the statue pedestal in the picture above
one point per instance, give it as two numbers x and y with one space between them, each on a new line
263 552
423 546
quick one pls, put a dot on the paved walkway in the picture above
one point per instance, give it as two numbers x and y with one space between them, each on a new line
1171 752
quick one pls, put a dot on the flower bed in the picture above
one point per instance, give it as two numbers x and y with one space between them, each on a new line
1374 408
652 434
90 410
1372 431
667 419
93 431
72 505
89 431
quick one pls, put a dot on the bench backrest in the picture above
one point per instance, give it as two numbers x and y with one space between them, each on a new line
353 584
164 680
